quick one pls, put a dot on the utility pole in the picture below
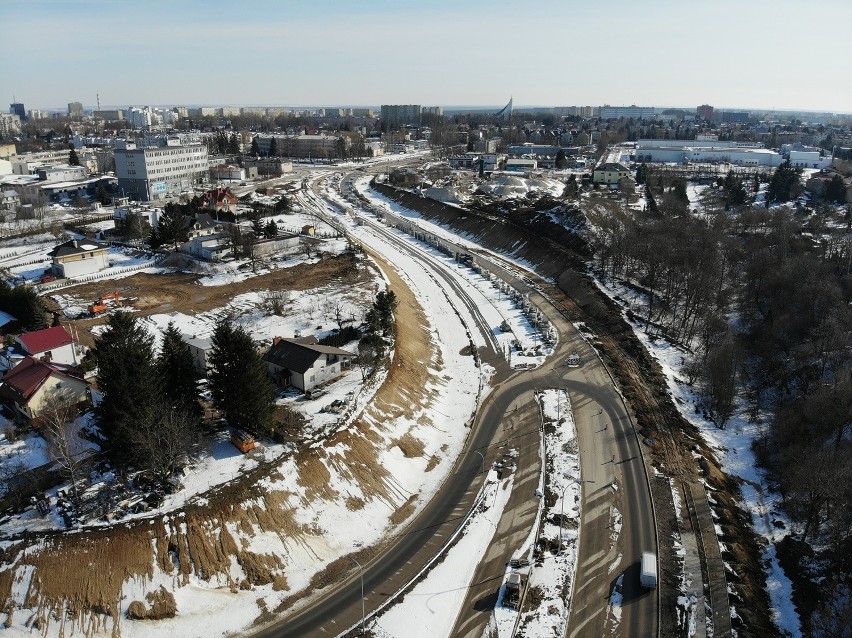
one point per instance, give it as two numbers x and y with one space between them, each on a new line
361 572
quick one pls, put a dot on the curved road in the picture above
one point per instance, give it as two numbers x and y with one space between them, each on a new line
612 470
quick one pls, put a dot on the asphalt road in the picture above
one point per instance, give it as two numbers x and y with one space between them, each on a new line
609 456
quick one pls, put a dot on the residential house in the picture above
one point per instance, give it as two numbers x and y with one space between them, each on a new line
303 363
220 199
29 386
77 258
208 238
200 350
609 173
818 183
53 345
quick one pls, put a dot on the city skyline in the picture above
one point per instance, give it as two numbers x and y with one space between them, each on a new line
335 53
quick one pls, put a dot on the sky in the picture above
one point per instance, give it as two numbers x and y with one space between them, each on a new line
770 54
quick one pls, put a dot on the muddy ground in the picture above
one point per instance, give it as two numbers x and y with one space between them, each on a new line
182 292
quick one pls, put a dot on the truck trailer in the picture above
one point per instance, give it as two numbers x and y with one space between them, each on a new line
648 575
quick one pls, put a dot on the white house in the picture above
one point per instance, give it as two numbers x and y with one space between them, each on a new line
29 386
303 363
52 344
200 350
77 258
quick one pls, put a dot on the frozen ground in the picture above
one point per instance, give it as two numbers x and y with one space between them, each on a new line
430 609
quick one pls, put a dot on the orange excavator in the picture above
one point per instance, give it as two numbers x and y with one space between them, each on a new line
104 303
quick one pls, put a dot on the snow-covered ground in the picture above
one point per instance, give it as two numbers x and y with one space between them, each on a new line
210 607
733 447
430 609
524 344
552 547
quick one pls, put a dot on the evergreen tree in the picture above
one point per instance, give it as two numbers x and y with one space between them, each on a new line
24 304
642 173
177 374
271 229
172 226
835 190
154 239
273 147
103 195
255 149
561 160
128 379
785 184
239 382
73 159
735 192
233 145
572 189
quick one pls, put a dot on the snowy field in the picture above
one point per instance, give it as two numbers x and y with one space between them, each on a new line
455 386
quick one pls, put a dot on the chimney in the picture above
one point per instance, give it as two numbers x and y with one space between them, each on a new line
276 341
76 245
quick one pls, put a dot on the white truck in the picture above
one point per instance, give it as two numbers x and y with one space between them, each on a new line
648 573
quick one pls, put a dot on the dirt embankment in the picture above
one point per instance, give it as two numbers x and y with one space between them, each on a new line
76 581
639 377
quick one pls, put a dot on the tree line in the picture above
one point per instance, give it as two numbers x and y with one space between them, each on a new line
765 315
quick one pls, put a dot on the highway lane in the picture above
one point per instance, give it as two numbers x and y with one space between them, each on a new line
591 391
606 456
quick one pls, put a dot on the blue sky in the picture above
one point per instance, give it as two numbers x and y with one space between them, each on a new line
781 54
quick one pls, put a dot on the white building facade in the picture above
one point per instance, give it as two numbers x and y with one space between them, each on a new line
159 172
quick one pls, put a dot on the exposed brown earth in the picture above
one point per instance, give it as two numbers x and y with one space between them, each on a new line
78 578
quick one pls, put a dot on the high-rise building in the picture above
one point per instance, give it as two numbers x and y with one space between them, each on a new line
75 109
705 112
17 108
10 125
159 172
396 115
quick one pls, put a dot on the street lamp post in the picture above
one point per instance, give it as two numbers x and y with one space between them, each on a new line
361 573
481 456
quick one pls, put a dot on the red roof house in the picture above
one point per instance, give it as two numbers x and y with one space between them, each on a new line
220 199
27 386
53 344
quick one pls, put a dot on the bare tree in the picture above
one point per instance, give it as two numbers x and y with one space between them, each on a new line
57 416
166 442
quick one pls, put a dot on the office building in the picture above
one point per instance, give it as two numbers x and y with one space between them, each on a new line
17 108
152 173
